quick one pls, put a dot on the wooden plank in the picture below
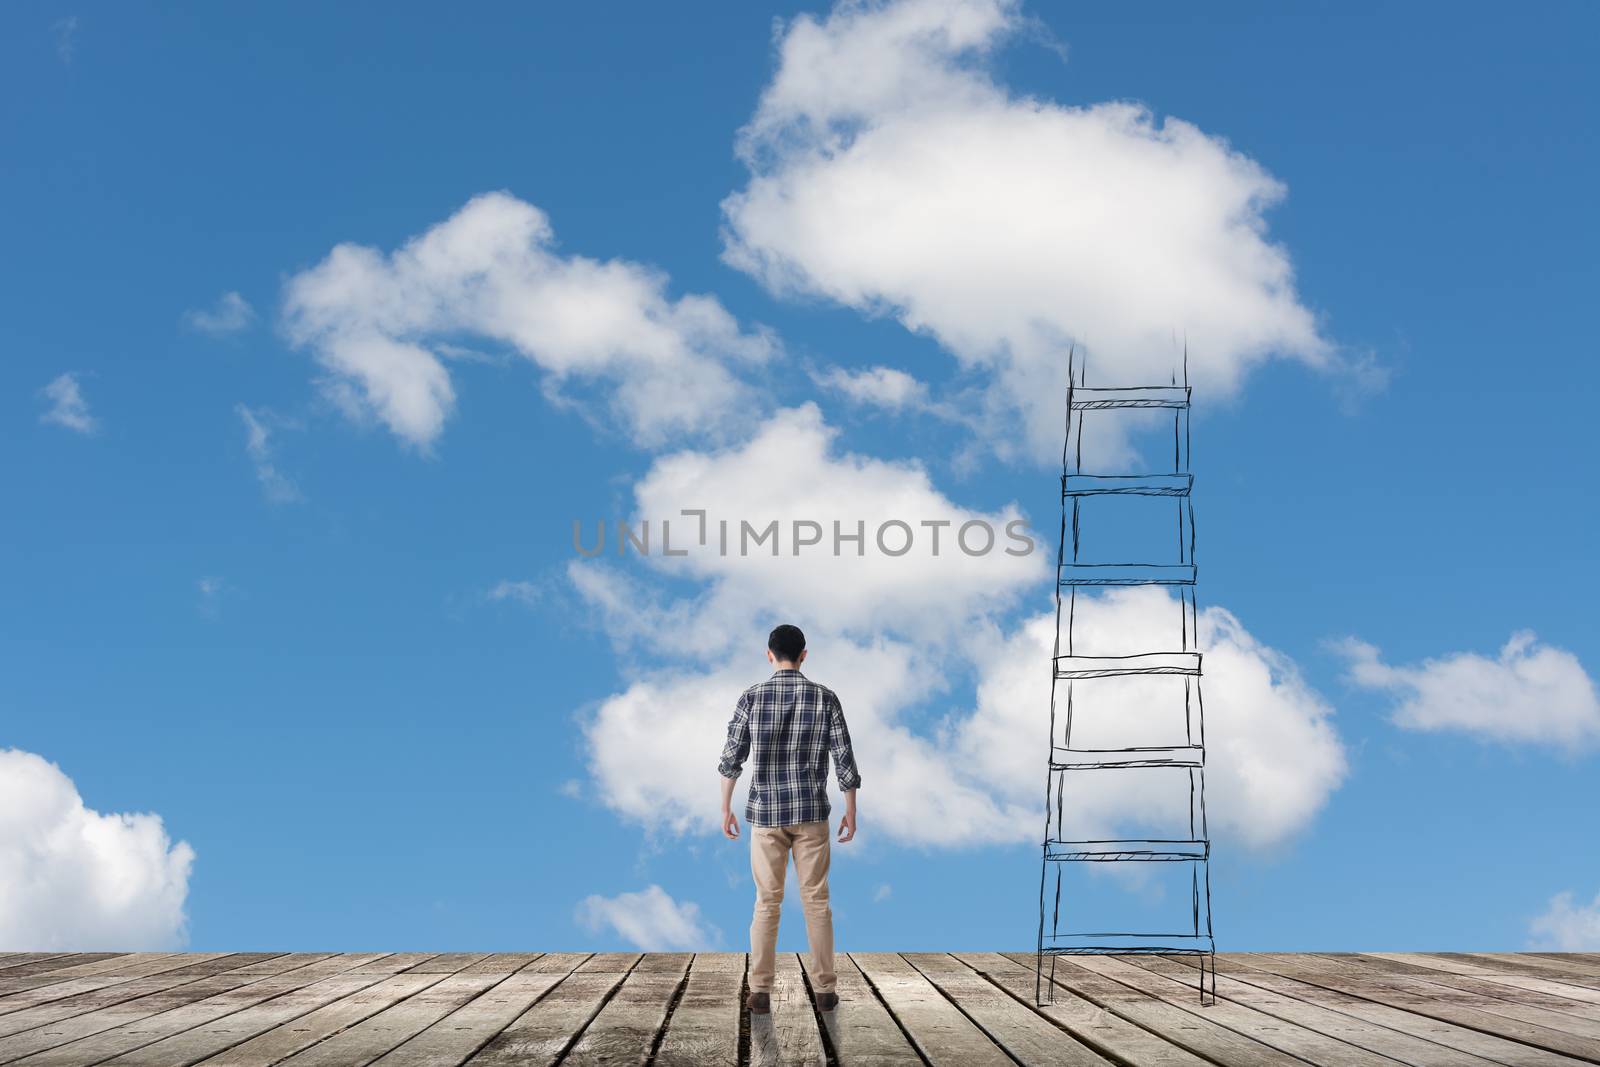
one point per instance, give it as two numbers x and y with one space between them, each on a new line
397 1024
1110 1034
704 1026
1458 1010
789 1033
1179 1026
14 981
625 1030
43 990
1287 1037
397 963
450 962
70 962
285 1039
23 959
861 1029
1254 969
174 1042
1534 1026
1557 1003
457 1036
1326 1020
502 963
542 1033
1585 994
189 1005
1524 963
1022 1032
1585 962
135 995
938 1028
28 959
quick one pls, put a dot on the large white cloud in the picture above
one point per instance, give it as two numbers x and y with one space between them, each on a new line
1273 756
383 326
894 635
891 172
74 878
913 562
976 775
1529 693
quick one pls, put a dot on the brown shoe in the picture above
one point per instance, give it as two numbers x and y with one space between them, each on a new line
827 1001
758 1002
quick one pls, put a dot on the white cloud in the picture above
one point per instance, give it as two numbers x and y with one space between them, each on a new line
1565 927
66 31
791 471
883 387
523 592
882 893
892 635
67 406
650 920
73 878
212 590
278 487
1529 693
892 173
380 324
1273 756
232 314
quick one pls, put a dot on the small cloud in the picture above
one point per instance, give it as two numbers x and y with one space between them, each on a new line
650 920
882 894
523 592
1567 928
231 314
66 31
67 406
1358 376
211 590
883 387
570 788
258 427
1530 693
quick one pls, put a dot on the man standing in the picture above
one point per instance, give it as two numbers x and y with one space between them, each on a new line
792 724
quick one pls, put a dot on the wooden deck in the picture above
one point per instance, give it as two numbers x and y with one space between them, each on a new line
252 1009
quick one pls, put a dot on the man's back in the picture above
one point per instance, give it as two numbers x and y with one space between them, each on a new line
791 725
788 726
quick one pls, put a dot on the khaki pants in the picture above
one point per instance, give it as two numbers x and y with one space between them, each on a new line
769 860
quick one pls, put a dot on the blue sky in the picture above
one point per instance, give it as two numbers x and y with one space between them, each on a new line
355 665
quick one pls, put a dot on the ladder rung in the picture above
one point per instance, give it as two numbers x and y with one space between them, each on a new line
1095 944
1152 396
1127 484
1127 574
1118 666
1089 759
1118 851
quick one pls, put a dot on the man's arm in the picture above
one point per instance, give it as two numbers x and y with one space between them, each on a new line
844 765
734 752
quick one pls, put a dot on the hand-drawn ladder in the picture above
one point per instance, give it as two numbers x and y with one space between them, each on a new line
1069 671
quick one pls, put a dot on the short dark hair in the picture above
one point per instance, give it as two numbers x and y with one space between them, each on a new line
786 643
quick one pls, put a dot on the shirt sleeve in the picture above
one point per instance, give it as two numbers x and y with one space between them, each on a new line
737 748
844 758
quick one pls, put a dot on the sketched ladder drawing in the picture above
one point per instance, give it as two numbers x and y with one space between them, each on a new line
1058 932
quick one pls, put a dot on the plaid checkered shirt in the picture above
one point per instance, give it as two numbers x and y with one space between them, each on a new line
792 725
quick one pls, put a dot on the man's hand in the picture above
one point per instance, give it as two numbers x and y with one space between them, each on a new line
730 825
847 826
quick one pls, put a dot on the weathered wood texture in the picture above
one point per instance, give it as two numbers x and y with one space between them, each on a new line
424 1009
